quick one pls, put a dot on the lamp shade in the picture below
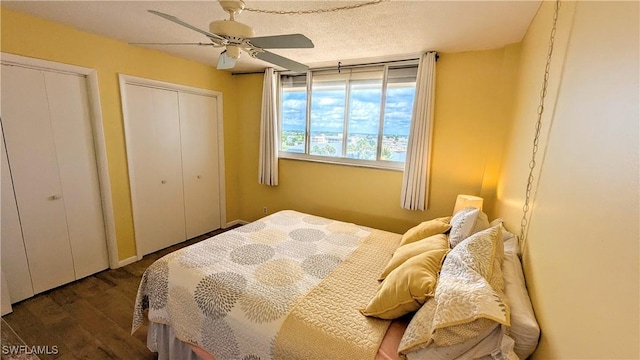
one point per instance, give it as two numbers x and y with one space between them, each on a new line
463 201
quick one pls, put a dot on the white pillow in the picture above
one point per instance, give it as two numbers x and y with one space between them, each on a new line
511 246
506 235
524 327
511 242
465 223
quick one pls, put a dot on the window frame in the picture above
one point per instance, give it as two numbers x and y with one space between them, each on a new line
339 160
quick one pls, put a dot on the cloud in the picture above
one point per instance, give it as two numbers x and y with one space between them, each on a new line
327 110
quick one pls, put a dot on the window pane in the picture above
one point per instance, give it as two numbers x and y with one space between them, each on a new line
364 119
294 113
327 118
401 88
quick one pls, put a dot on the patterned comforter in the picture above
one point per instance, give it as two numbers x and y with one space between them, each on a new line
230 294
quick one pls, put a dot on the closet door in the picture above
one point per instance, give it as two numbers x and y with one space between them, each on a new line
32 156
153 150
199 132
72 133
15 268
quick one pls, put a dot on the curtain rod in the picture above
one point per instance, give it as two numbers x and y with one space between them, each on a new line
336 67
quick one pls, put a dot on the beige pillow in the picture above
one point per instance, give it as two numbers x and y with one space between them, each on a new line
426 229
405 252
407 287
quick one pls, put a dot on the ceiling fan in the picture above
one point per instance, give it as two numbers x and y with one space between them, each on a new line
235 36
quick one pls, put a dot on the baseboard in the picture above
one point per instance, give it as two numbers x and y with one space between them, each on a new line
234 223
127 261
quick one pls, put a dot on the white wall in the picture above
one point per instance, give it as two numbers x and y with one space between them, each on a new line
582 254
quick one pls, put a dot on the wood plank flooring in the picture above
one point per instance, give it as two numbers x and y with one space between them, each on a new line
87 319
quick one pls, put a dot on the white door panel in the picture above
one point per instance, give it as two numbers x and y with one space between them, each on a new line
153 148
32 155
141 152
71 124
166 116
198 127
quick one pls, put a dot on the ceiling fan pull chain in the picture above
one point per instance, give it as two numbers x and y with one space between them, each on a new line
538 126
315 11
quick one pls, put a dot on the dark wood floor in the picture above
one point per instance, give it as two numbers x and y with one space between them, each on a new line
89 318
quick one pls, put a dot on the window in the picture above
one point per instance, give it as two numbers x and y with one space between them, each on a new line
360 116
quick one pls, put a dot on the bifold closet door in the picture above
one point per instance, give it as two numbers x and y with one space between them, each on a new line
199 131
153 151
47 129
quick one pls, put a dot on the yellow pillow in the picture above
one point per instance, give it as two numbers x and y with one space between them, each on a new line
405 252
407 287
426 229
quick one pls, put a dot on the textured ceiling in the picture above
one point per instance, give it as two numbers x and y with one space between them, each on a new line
390 30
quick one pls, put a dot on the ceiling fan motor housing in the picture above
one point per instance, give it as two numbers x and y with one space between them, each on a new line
232 29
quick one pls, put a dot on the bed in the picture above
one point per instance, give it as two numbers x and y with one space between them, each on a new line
298 286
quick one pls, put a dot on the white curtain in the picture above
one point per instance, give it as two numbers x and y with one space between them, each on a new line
415 181
268 171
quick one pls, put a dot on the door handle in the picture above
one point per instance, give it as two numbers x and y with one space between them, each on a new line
55 197
163 181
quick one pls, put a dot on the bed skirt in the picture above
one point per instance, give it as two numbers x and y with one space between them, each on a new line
162 340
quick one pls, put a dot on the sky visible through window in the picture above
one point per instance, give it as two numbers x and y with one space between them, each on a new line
397 117
327 123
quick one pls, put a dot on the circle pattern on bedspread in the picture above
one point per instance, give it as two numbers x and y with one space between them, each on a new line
158 282
251 357
229 240
307 235
320 265
252 227
218 337
268 236
279 272
252 254
316 220
216 294
297 249
342 239
262 303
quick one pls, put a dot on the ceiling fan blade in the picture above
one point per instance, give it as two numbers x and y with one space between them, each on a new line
155 43
180 22
225 62
289 41
282 61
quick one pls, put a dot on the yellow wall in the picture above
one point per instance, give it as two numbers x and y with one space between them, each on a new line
581 260
582 255
34 37
473 95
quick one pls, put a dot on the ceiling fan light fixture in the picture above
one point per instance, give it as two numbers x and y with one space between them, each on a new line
233 51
